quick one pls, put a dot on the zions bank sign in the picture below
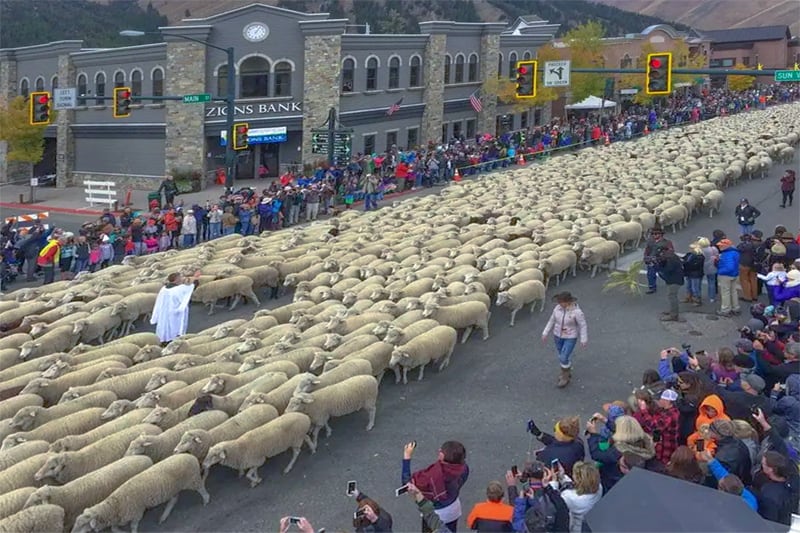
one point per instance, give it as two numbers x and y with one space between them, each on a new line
263 108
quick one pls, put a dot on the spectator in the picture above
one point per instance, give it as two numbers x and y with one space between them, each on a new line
730 451
727 482
303 525
670 269
370 517
711 409
189 229
431 521
660 421
228 221
568 325
441 481
787 187
540 507
67 256
581 493
564 445
727 274
740 404
49 257
629 438
724 371
170 190
776 277
693 265
746 216
82 251
683 465
30 246
746 433
776 497
654 248
493 514
747 269
214 222
710 257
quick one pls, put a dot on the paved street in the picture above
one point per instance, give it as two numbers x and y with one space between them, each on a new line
482 399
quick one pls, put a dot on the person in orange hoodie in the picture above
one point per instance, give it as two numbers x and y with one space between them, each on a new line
710 410
493 514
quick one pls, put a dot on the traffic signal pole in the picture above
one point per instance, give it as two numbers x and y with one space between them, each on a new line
230 105
709 71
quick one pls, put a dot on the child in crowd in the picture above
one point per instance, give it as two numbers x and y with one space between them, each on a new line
151 242
773 279
164 242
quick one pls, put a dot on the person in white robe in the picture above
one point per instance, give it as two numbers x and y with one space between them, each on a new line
171 311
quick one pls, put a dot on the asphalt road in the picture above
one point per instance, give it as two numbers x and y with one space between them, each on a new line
482 399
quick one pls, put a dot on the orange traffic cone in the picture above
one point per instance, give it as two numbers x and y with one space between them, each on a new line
457 176
607 140
646 129
521 159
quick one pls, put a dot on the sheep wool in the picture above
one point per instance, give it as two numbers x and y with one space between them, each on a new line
14 501
21 474
34 520
72 443
75 423
436 344
9 407
28 418
160 446
12 456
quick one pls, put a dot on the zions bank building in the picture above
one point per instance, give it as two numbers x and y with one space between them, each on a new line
291 68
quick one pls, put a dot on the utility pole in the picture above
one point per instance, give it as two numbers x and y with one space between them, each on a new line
331 135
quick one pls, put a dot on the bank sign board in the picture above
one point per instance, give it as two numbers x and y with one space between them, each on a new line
262 108
259 136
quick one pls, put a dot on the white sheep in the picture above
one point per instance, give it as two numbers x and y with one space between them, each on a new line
11 405
128 386
58 339
22 473
558 266
132 309
436 344
234 287
14 501
600 254
19 453
100 326
339 399
713 201
343 326
159 446
518 296
80 422
72 443
277 398
251 450
90 489
34 520
64 467
161 483
31 417
466 316
396 335
189 375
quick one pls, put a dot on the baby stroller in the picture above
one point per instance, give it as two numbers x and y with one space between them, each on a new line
8 273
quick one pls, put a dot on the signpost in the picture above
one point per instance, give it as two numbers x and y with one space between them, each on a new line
335 143
65 99
196 98
556 73
787 75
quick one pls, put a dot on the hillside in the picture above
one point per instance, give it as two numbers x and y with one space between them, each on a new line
98 22
718 14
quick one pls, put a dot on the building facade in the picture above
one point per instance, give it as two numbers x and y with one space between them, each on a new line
291 69
771 47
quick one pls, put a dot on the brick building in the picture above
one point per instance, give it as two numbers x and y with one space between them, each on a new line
291 68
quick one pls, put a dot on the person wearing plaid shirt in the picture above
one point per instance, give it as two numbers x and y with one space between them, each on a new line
661 422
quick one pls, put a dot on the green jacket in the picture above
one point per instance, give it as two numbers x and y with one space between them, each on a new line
431 518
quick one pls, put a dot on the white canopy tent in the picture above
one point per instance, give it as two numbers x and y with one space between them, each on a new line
591 102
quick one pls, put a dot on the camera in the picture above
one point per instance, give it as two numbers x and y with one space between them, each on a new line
532 471
294 520
686 347
358 514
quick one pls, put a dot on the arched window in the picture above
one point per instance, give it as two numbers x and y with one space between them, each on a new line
136 82
625 62
394 72
447 62
39 84
119 79
81 89
372 74
639 63
222 81
54 84
415 72
100 87
472 71
157 78
283 79
459 69
348 74
526 55
500 65
24 88
512 64
254 77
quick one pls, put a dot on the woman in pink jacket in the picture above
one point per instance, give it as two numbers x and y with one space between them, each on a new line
568 325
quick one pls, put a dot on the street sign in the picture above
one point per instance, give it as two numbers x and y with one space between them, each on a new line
65 98
34 182
196 98
319 141
342 144
276 134
556 73
787 75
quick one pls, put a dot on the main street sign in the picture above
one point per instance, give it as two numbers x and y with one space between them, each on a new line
196 98
787 75
556 73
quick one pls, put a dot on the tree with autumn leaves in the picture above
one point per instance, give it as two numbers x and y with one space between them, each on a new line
740 82
25 141
681 58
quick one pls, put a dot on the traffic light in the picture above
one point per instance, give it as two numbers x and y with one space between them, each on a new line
659 73
122 102
526 79
240 136
39 105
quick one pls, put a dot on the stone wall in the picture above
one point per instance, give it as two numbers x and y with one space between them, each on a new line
322 64
185 136
433 115
135 182
490 54
65 142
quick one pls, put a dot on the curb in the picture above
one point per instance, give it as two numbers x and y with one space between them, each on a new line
54 209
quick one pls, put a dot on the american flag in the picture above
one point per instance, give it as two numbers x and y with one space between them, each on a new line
475 102
393 108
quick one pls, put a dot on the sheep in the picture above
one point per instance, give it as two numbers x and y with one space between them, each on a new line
9 407
190 375
235 286
72 443
342 398
58 339
139 339
60 367
160 446
64 467
343 326
396 335
256 378
334 374
90 489
624 232
71 424
559 265
377 355
84 353
284 313
9 357
14 501
436 344
99 326
251 450
127 387
34 520
518 296
207 347
117 408
713 201
132 308
198 441
160 483
22 473
14 341
277 398
466 315
344 349
19 453
601 254
30 417
519 277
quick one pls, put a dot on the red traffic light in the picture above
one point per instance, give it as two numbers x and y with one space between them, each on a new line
43 99
125 94
522 70
655 63
242 129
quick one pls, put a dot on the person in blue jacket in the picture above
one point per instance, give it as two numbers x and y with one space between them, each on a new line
728 482
727 277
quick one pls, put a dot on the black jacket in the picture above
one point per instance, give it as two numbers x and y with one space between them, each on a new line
775 502
670 268
735 457
746 215
169 188
739 405
567 453
693 265
747 254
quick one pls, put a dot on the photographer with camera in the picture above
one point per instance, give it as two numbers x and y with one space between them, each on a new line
565 445
654 247
300 521
369 516
659 419
540 507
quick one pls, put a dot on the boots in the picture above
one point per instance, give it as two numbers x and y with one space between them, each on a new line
697 301
689 299
563 379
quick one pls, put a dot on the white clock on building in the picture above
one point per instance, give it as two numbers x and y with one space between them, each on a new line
255 32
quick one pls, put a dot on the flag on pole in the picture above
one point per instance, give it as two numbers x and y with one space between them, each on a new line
475 102
394 108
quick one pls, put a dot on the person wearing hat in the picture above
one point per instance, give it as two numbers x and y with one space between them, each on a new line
189 229
654 247
564 445
670 269
731 452
741 404
788 289
746 216
727 276
787 187
660 421
568 325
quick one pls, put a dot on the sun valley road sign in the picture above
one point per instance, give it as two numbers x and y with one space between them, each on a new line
787 75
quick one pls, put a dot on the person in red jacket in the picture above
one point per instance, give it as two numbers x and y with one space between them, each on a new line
787 187
49 257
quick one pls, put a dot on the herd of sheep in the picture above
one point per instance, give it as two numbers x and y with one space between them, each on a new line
95 419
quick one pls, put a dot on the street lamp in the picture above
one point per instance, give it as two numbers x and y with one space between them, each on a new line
230 98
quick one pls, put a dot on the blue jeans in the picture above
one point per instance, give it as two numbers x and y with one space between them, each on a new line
564 347
712 286
652 277
228 230
245 228
693 285
745 229
370 202
214 229
80 265
188 241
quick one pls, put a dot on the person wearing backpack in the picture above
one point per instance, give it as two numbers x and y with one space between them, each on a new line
540 507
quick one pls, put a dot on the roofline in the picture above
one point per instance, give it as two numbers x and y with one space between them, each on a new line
292 12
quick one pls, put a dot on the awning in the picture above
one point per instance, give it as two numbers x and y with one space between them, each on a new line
592 102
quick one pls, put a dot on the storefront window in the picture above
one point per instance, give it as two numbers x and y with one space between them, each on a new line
40 84
512 65
119 79
391 139
54 84
254 77
136 83
413 138
471 128
82 89
472 75
447 62
24 89
369 144
158 83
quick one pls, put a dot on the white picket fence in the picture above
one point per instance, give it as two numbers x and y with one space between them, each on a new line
100 192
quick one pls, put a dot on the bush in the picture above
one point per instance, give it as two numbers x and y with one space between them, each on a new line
188 180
